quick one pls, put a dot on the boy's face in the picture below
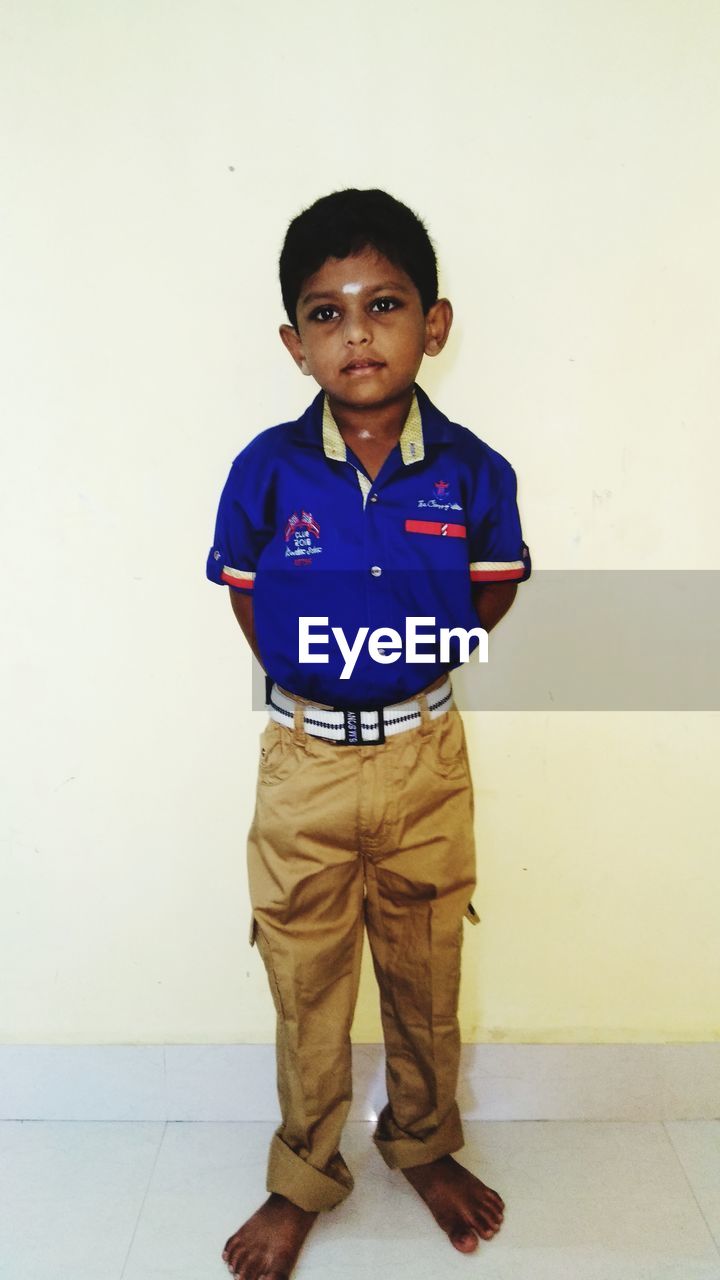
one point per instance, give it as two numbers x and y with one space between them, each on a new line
361 332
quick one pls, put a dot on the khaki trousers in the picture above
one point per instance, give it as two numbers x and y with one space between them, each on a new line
345 837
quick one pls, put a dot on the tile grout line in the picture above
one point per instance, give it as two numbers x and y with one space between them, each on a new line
142 1203
154 1167
686 1176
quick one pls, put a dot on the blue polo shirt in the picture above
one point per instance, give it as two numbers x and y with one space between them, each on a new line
303 528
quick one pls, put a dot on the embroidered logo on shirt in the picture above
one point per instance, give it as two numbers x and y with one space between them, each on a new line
440 490
299 533
305 520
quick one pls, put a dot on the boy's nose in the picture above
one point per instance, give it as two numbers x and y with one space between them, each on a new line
357 330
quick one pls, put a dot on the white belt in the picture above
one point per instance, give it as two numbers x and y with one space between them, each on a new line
356 728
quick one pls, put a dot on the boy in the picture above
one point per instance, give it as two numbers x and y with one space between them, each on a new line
371 512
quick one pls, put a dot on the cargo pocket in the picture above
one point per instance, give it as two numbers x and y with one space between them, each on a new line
471 914
264 948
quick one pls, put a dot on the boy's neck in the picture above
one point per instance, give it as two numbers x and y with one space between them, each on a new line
380 423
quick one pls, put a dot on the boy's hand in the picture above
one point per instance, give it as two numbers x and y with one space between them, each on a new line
492 601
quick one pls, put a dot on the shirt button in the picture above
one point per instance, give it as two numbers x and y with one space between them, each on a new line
373 497
376 571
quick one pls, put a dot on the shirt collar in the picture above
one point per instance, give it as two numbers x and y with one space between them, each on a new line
433 427
412 445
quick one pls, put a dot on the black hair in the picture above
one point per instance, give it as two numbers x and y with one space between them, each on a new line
347 222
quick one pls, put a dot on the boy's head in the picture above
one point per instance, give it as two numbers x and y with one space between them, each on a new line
344 223
359 282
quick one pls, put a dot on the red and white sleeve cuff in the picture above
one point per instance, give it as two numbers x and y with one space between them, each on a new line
496 570
238 578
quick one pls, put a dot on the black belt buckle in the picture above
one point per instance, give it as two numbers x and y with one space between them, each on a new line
354 730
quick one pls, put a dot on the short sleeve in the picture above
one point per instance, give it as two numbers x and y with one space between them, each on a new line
242 527
496 548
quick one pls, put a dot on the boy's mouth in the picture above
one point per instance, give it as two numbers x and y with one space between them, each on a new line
362 366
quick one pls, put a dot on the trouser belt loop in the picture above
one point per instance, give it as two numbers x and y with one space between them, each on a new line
426 725
299 724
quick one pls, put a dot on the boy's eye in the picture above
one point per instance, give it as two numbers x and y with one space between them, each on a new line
326 312
386 304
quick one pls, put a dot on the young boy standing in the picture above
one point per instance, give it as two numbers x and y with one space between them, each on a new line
344 538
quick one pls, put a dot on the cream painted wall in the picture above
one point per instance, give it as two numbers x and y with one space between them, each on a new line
564 156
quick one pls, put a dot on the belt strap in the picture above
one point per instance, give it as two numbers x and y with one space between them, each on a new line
363 727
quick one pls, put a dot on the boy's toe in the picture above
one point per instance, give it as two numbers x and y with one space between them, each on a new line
486 1214
484 1225
463 1238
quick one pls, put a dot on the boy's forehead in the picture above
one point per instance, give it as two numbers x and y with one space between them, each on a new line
365 270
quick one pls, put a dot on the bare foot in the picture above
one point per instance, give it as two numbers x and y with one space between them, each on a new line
266 1247
459 1202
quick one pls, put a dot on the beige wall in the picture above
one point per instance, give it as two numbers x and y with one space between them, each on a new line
564 156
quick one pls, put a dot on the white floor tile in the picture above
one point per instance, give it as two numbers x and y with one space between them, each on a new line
208 1180
697 1143
70 1195
584 1201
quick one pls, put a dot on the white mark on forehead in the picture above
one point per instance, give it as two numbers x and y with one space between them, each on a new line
351 288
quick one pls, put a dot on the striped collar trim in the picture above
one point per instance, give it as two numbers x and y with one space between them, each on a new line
412 444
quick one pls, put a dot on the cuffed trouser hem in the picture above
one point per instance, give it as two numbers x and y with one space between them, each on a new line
403 1152
290 1176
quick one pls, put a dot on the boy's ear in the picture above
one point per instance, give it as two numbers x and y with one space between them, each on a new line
291 339
437 326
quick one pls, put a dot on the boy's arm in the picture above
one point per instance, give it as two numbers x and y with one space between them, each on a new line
492 601
242 603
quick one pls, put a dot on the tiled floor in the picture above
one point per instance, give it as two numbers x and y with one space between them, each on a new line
144 1201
